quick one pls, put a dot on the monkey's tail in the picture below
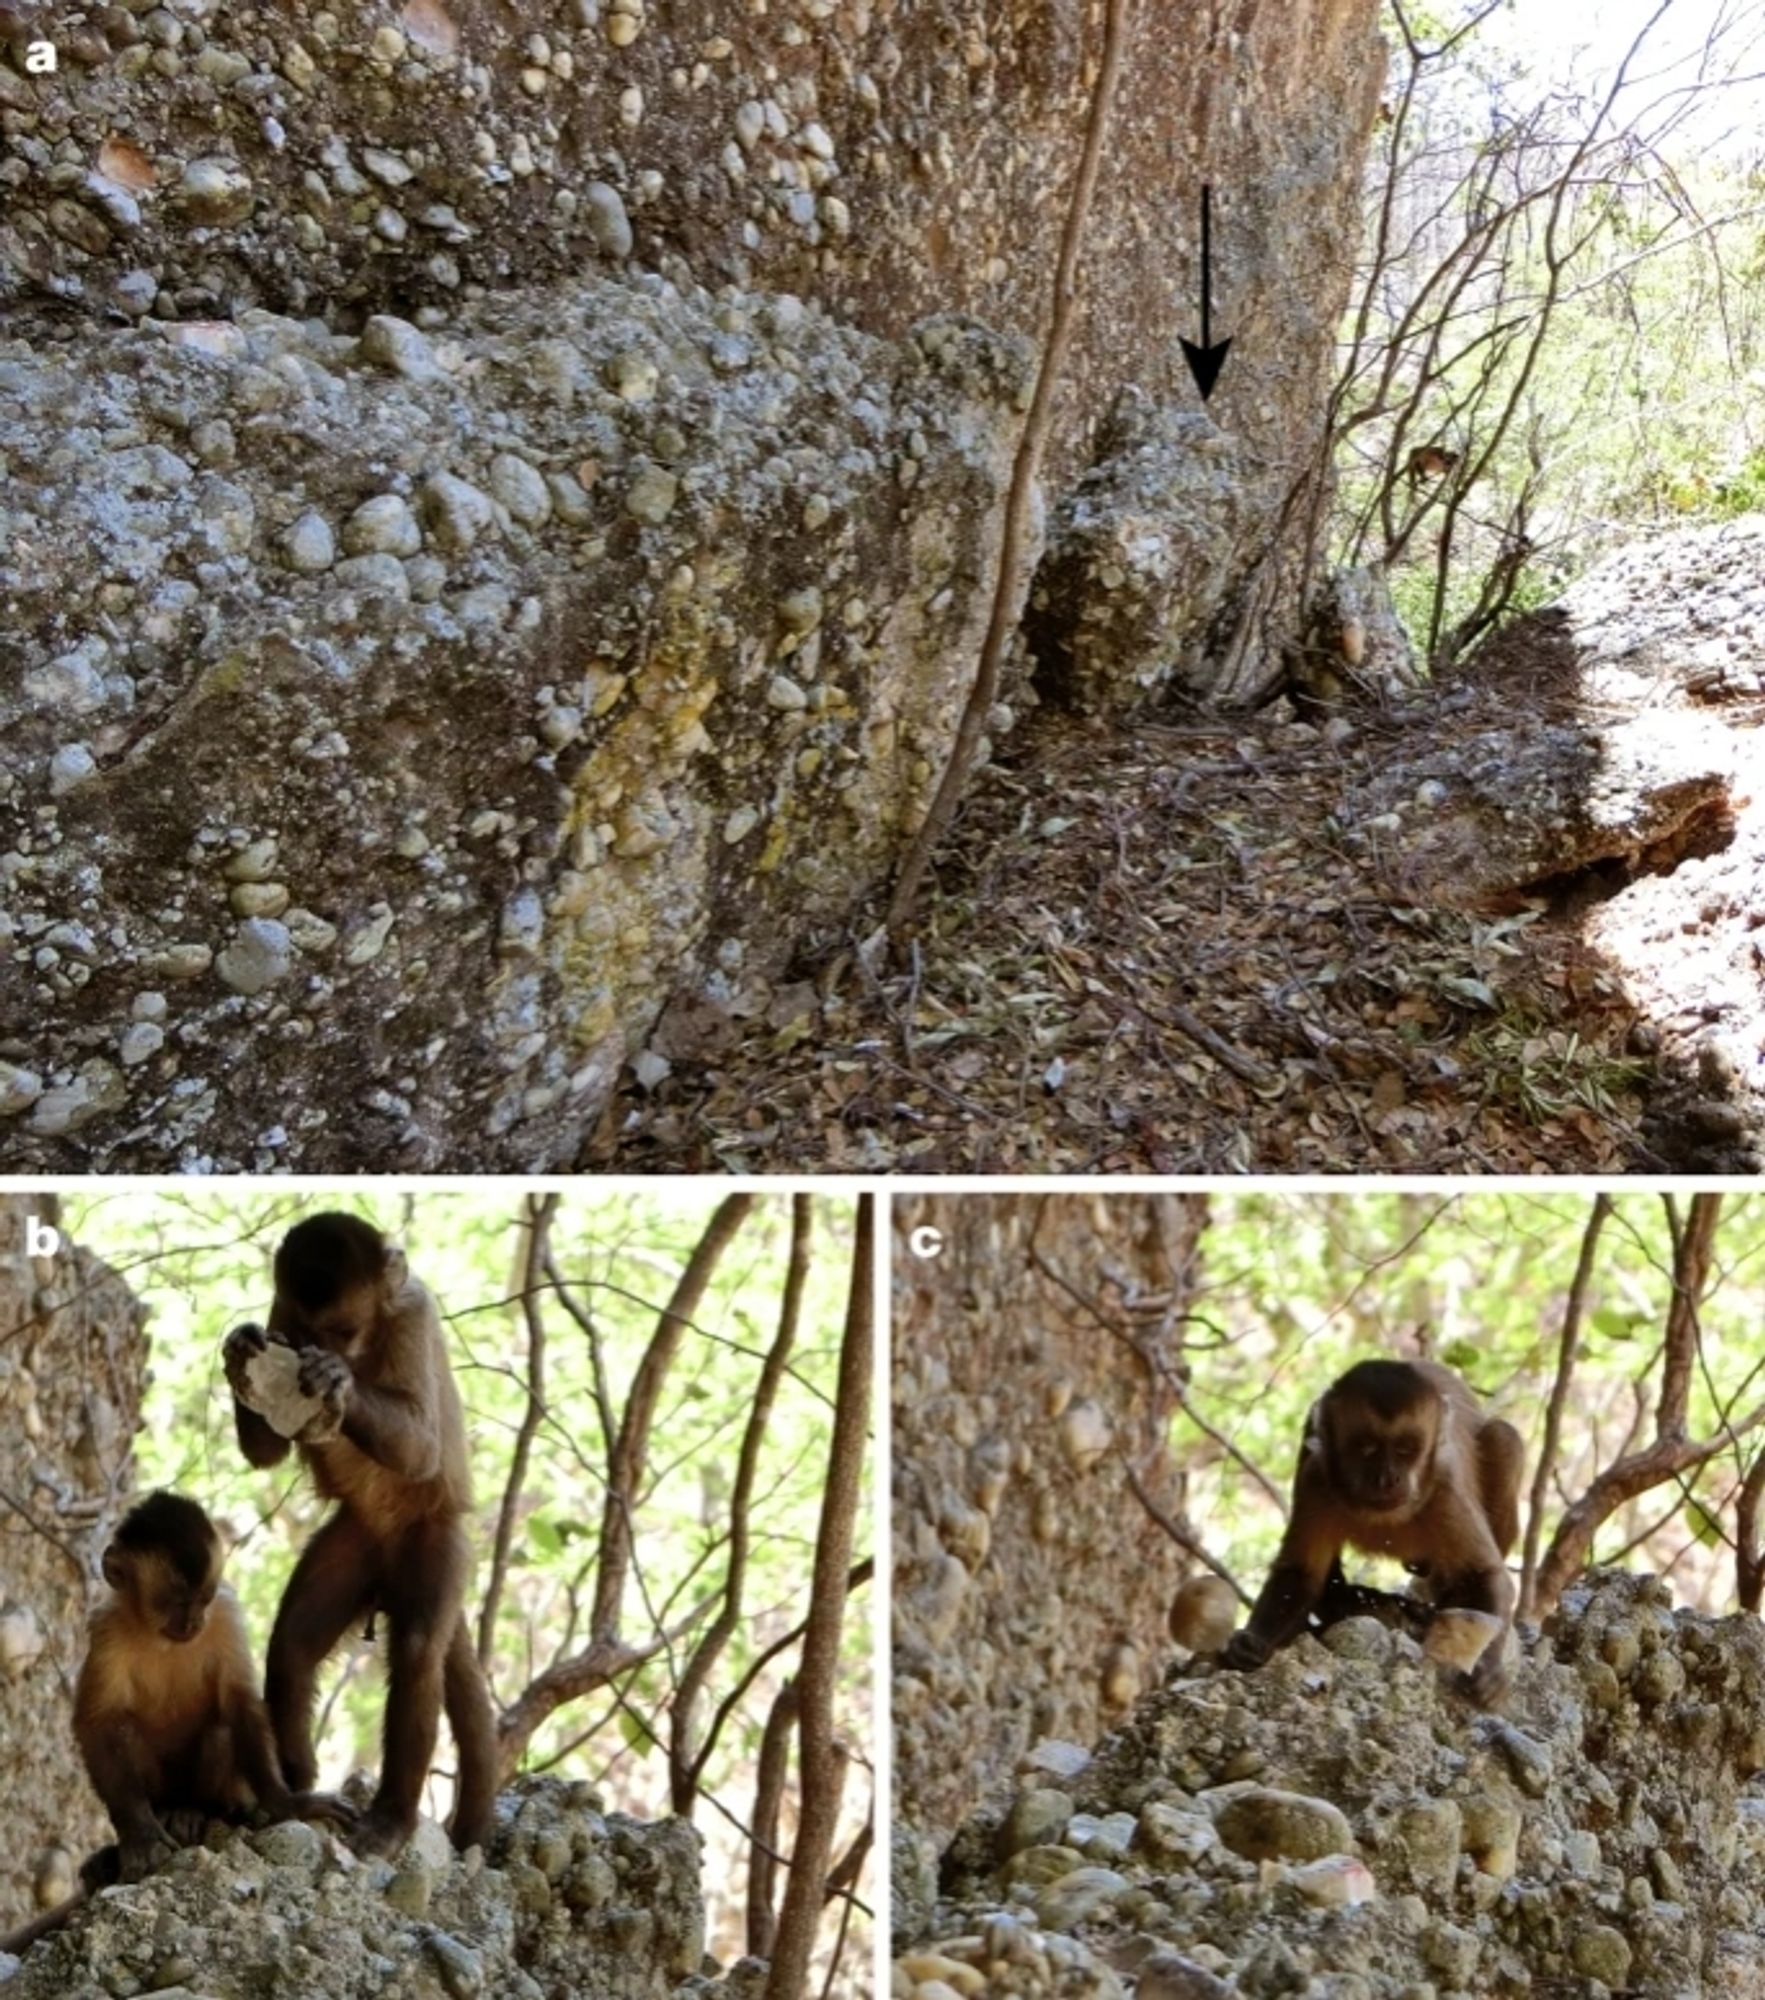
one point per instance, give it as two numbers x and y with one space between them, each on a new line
27 1935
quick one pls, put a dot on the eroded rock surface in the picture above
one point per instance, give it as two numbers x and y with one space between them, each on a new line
1016 1411
392 725
566 1898
1150 558
72 1356
889 161
537 648
1337 1827
1478 821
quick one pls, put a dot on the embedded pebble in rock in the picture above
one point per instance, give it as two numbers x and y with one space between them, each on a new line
396 345
96 1088
1085 1434
456 511
261 953
652 494
140 1043
521 489
216 191
19 1089
1203 1614
309 545
1264 1824
1167 1975
69 768
71 683
384 525
1036 1816
608 223
1074 1898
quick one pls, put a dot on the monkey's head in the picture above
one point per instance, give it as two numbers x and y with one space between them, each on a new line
165 1559
1378 1426
335 1274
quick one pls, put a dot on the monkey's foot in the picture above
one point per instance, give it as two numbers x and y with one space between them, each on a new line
381 1833
136 1858
324 1807
185 1824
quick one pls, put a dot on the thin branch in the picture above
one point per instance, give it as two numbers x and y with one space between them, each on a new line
820 1763
685 1763
771 1768
538 1225
631 1446
1568 1346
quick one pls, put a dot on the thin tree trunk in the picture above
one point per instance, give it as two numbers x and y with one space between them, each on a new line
1568 1347
1021 499
820 1761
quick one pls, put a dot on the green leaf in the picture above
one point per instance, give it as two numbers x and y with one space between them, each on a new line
637 1733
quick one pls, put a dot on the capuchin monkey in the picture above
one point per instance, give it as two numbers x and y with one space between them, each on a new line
167 1714
1397 1459
387 1442
1430 461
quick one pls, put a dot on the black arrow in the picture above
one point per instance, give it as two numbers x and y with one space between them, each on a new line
1206 361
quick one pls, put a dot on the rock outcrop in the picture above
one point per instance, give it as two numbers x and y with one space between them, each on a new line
887 161
566 1898
1020 1407
1338 1827
402 722
72 1353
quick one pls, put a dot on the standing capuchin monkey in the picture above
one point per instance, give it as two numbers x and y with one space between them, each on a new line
1397 1459
387 1442
166 1709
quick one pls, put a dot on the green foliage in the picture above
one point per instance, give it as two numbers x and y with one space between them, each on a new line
201 1260
1641 408
1299 1286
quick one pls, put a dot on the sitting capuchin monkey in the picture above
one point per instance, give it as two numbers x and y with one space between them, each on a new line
1397 1459
167 1714
352 1371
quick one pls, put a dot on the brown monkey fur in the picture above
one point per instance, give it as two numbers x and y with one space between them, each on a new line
1430 461
1397 1459
167 1713
389 1446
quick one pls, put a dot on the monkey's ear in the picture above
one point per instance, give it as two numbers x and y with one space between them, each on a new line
117 1567
1312 1442
397 1272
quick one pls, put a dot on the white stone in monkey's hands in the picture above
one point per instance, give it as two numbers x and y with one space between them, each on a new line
272 1389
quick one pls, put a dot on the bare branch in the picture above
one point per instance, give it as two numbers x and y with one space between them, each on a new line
630 1447
1568 1346
685 1763
820 1762
537 1225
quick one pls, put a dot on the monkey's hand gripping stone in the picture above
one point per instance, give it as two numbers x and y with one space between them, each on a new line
270 1385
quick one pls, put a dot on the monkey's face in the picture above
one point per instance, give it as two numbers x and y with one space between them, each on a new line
179 1612
171 1597
1382 1466
340 1327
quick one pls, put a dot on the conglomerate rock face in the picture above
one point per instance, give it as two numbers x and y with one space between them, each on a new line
497 517
566 1898
72 1356
1020 1406
1337 1826
396 722
888 158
